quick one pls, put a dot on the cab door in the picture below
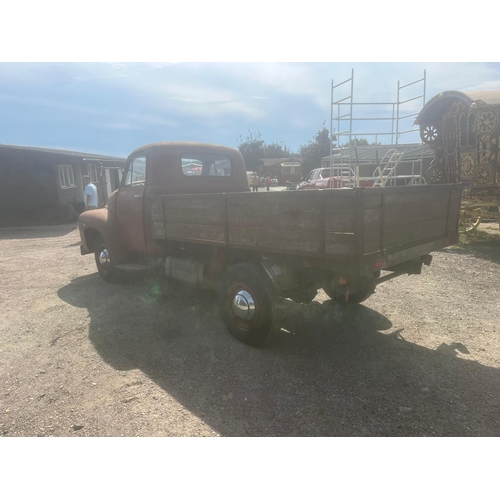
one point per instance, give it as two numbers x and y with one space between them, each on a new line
130 204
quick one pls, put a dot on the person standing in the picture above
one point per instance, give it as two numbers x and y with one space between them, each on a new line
268 181
255 182
90 194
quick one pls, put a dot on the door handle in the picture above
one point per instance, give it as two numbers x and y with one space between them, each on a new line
137 195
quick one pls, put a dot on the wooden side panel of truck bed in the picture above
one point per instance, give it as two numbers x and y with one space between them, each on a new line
333 223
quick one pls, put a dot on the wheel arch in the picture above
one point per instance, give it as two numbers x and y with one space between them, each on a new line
100 223
91 236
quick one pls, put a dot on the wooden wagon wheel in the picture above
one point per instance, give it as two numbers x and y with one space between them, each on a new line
435 175
484 175
486 122
470 218
429 134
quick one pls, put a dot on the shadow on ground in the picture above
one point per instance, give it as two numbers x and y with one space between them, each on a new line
331 371
482 244
30 232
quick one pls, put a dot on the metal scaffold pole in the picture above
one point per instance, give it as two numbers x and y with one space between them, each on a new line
342 113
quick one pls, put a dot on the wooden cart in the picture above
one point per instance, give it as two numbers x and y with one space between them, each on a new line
463 130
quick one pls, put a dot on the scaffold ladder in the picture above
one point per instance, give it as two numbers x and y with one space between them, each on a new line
388 168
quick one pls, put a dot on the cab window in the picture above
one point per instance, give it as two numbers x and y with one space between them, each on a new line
206 164
136 174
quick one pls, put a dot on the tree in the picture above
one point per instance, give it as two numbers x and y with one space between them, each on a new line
252 151
276 150
254 148
358 142
363 142
317 148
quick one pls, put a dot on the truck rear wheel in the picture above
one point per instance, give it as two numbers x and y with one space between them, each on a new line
355 298
250 304
105 263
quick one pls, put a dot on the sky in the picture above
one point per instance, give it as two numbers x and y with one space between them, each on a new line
113 108
59 86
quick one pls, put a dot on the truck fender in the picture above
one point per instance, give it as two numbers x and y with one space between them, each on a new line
101 222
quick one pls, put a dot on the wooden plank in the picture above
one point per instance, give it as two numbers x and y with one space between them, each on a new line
208 216
372 241
414 197
275 201
454 214
456 193
428 229
340 244
372 219
196 232
404 235
452 223
159 230
408 214
338 199
339 221
275 239
195 209
397 236
200 201
274 219
373 198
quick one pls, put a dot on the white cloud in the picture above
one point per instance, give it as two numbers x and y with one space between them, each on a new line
491 85
30 101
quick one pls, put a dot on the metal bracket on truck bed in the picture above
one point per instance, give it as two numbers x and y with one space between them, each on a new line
410 267
281 275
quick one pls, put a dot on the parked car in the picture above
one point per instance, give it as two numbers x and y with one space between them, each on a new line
332 178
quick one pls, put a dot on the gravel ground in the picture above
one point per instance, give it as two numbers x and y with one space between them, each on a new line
80 357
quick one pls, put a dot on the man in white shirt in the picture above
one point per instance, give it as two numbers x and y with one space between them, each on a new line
90 194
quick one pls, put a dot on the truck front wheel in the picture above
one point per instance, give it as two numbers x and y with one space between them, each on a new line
250 304
105 263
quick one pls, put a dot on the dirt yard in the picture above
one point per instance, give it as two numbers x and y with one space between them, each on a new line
80 357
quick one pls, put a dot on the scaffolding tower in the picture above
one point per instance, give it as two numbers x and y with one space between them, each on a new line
342 114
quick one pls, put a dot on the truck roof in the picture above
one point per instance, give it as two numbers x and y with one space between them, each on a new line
180 146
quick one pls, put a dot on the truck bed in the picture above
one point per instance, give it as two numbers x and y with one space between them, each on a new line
359 227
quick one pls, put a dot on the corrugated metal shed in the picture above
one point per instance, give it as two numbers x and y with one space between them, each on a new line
374 153
76 154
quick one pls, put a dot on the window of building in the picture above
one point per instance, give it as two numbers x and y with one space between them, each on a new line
66 176
291 168
206 164
93 171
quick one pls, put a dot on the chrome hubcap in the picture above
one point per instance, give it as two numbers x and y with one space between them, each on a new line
104 258
243 305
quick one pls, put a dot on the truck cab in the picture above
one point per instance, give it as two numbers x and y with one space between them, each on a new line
125 223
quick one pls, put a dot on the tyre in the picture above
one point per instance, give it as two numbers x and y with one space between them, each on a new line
105 264
355 298
251 306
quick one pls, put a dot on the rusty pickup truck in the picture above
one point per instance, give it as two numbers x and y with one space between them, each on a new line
186 209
